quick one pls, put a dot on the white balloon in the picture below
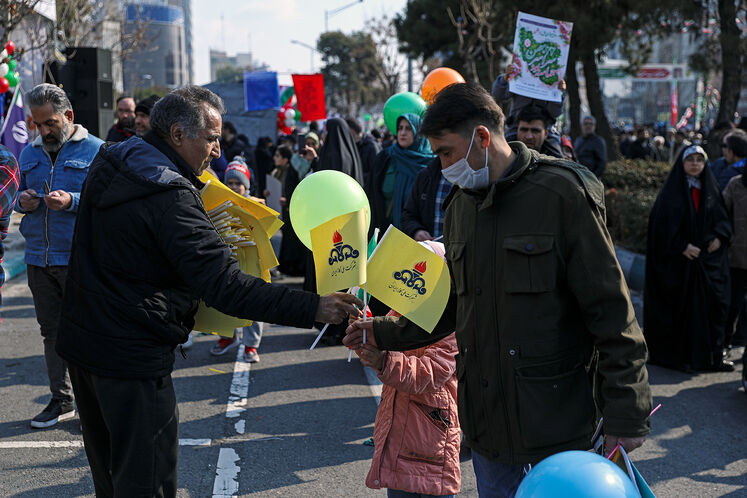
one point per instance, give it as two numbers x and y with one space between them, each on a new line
3 54
4 69
290 122
290 114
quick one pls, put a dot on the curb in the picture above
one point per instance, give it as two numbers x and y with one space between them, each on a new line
14 266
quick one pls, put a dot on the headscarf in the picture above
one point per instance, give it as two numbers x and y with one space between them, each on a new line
407 163
339 152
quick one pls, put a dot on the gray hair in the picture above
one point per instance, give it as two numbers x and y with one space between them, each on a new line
184 106
590 118
46 93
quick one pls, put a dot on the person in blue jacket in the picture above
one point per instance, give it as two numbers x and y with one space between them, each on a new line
53 168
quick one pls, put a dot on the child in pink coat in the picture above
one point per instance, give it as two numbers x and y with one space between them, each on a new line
416 434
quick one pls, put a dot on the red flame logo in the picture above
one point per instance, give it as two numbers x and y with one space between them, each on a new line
420 267
337 238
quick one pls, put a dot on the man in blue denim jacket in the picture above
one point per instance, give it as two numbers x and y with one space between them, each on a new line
53 168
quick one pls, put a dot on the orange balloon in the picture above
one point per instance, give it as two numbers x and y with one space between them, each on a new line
437 80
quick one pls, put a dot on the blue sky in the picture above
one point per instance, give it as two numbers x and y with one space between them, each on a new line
265 27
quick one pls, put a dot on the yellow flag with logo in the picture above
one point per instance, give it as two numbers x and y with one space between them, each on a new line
339 248
409 278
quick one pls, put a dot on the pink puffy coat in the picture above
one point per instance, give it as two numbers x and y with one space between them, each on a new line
416 435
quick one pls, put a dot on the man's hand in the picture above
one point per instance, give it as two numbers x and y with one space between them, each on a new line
691 252
510 70
714 245
371 356
561 85
28 200
354 334
58 200
423 235
629 443
335 307
259 200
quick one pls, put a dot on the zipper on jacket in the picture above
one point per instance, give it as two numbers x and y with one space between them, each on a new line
500 373
46 208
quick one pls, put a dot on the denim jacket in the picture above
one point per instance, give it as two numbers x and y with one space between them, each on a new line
48 233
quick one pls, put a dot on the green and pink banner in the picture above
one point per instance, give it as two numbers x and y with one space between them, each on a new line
541 48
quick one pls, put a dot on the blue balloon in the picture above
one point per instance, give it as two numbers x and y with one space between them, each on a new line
580 474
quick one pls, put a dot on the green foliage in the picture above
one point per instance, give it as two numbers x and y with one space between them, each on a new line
351 65
230 74
631 189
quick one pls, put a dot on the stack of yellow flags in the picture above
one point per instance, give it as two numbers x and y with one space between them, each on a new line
246 227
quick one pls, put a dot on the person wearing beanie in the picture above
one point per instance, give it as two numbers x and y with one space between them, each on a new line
142 115
238 177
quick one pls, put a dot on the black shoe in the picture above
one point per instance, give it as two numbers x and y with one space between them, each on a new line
56 411
723 366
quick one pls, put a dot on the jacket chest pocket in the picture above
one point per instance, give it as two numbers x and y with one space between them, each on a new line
34 173
70 175
458 262
529 263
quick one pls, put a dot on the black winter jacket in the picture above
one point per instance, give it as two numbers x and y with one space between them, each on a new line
144 252
420 210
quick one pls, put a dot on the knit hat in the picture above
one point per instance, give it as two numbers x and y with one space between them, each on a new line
146 105
694 149
237 169
313 136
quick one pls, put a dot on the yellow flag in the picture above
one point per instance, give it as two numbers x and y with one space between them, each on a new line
215 194
246 227
339 248
409 278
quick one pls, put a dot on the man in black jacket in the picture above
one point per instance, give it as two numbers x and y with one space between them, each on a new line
590 148
423 215
144 253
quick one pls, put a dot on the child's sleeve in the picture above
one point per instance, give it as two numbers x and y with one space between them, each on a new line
421 375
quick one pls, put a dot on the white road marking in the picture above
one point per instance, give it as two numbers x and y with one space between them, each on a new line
5 445
226 481
374 383
227 470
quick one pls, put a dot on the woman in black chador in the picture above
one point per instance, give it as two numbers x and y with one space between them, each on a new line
686 297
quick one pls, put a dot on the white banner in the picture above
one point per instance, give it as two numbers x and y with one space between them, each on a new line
541 48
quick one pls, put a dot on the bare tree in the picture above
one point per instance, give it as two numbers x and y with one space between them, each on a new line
476 27
391 61
12 12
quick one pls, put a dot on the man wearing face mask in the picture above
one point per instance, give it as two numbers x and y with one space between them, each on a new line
547 337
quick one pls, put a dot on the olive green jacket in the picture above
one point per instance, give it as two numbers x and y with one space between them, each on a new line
547 335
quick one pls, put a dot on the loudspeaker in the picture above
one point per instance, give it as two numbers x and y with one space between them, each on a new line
86 77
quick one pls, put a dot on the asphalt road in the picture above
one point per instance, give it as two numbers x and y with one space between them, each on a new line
294 424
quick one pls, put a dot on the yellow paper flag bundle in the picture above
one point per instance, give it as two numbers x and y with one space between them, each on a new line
409 278
246 227
339 248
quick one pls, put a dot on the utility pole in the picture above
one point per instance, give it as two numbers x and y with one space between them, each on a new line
333 12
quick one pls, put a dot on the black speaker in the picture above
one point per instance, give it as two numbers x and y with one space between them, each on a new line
86 77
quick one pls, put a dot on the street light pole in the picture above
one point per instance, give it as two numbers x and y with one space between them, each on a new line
333 12
311 51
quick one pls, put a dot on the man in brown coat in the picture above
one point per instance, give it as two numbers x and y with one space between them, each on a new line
547 337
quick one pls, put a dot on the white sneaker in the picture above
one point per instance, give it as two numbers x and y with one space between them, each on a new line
223 345
189 343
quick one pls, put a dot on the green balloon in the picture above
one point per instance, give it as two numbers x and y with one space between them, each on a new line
380 122
12 78
286 95
402 103
367 117
322 196
12 65
298 116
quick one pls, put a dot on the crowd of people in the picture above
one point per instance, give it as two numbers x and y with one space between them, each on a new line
539 336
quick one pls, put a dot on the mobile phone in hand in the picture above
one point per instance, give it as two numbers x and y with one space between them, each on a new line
301 142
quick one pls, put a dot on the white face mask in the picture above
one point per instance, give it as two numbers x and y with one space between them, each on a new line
460 173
